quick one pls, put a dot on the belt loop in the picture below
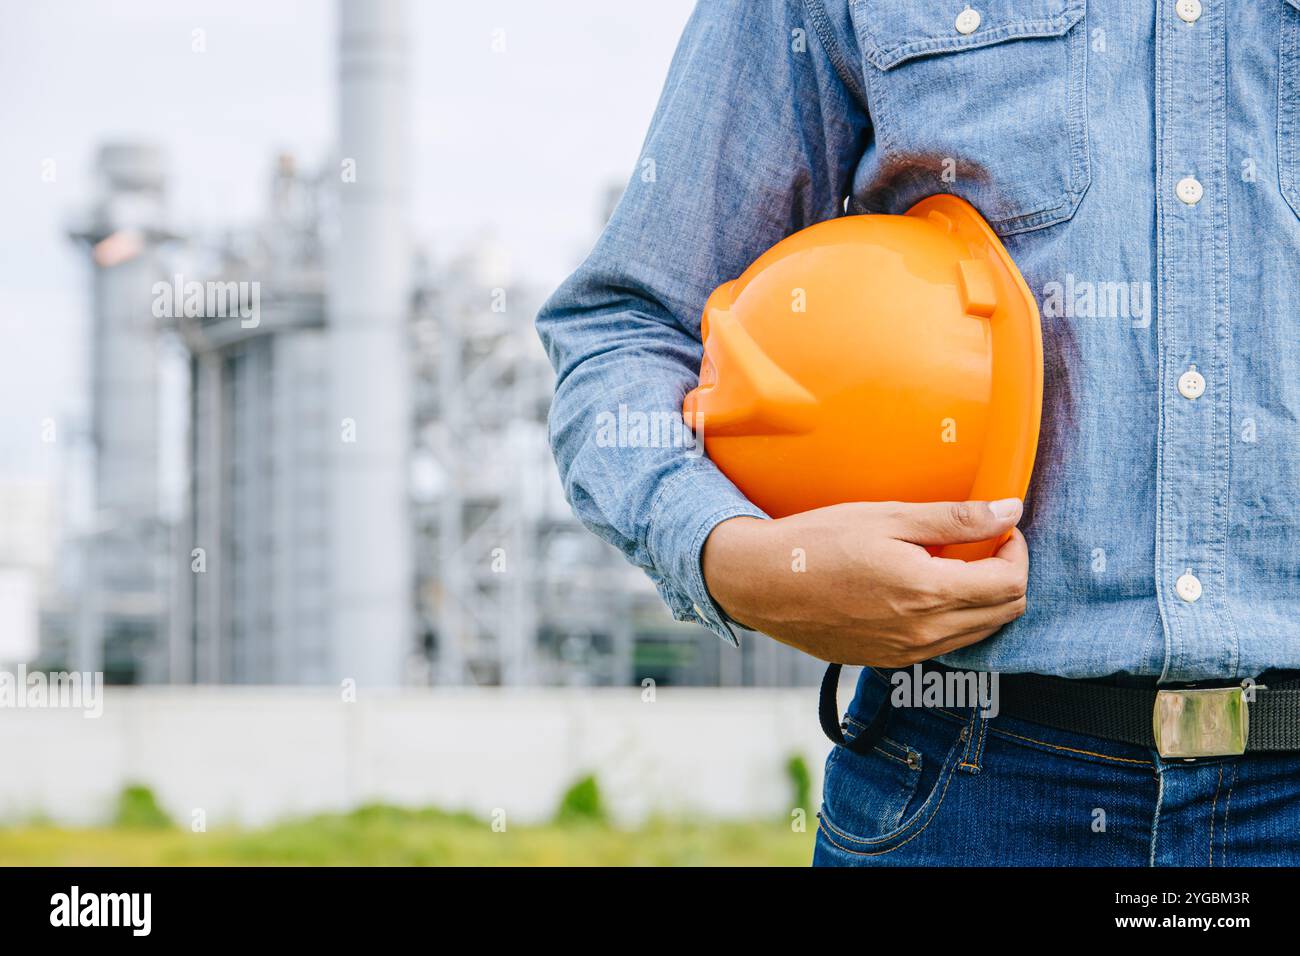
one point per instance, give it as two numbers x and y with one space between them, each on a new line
977 728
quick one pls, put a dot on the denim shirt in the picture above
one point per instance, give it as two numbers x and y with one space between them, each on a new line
1141 162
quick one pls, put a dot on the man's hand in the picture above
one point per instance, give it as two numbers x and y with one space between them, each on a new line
854 583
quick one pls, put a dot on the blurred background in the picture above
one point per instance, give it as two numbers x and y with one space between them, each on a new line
273 456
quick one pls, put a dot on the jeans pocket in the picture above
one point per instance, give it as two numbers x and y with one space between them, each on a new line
1288 106
874 803
990 104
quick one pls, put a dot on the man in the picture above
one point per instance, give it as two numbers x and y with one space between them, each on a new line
1141 162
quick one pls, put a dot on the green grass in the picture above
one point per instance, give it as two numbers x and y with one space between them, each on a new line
392 836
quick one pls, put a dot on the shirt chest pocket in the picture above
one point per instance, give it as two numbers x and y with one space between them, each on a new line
987 101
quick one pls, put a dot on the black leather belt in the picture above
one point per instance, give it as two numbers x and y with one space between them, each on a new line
1203 720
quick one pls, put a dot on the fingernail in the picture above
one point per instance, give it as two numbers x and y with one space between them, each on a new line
1005 508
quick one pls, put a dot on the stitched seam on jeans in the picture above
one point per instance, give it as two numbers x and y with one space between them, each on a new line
931 710
902 747
893 757
884 753
949 767
825 824
886 739
1155 817
1074 750
1213 807
969 732
1227 806
974 729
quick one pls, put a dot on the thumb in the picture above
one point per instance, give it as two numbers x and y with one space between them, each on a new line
955 522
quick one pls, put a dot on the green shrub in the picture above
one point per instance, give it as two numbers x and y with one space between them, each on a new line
796 771
138 808
582 803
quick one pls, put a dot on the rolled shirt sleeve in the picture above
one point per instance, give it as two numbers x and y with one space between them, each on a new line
756 135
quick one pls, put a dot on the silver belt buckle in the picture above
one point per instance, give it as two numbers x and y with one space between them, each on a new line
1206 722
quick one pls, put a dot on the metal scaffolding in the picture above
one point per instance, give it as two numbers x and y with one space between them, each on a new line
514 590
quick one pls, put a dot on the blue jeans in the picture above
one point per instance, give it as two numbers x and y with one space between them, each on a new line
952 788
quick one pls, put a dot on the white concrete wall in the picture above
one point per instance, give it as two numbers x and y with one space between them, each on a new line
255 755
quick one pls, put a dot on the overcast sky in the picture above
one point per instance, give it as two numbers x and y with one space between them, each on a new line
518 146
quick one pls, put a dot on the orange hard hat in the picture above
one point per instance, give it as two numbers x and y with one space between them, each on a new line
875 358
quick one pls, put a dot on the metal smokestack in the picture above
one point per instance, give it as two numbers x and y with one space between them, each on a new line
122 591
123 234
368 310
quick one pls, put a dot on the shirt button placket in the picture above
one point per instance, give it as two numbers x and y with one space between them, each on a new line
1190 519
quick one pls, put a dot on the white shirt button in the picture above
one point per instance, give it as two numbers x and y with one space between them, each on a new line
1189 190
1191 384
1189 11
968 21
1188 587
